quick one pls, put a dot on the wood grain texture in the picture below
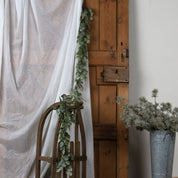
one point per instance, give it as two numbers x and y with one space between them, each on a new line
123 30
113 74
102 58
96 158
123 23
94 25
109 40
107 159
99 78
54 159
105 131
94 95
107 106
107 24
77 163
122 138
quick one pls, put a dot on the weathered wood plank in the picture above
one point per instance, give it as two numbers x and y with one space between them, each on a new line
94 94
123 30
102 58
107 106
94 25
122 140
107 159
105 131
100 79
107 48
107 25
113 74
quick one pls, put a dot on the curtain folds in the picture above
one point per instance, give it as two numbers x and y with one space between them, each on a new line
37 65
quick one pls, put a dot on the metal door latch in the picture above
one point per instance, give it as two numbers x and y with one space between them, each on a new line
125 54
115 74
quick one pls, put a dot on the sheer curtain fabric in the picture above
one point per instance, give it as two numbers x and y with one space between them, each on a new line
37 65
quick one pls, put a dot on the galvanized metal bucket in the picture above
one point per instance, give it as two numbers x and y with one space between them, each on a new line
162 152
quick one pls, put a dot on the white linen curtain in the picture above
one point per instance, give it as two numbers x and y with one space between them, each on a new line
37 65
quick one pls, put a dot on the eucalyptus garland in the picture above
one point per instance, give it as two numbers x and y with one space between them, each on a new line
68 116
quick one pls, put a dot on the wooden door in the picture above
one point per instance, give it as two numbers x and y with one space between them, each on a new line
108 60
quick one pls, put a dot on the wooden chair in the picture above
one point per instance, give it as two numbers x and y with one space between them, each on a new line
74 146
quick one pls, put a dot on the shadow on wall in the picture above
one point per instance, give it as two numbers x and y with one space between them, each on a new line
139 163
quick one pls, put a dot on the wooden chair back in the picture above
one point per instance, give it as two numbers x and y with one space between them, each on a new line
79 155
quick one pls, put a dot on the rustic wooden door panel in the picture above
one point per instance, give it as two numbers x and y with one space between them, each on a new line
122 31
122 22
107 24
94 40
107 159
95 94
123 147
108 50
107 105
102 58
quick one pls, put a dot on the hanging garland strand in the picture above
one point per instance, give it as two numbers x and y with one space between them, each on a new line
68 117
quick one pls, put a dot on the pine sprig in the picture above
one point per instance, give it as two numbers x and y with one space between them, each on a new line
68 116
150 116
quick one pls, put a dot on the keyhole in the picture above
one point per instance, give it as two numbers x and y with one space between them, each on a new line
116 71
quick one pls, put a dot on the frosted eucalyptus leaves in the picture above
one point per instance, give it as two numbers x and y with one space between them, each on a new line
148 115
68 117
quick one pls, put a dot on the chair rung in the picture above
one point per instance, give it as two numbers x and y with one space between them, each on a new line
47 159
80 158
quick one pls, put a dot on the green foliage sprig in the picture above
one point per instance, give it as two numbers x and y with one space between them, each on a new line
82 55
68 116
150 116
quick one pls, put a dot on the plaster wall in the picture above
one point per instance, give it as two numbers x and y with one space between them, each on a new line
153 64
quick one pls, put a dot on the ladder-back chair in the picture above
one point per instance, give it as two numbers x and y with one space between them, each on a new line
74 146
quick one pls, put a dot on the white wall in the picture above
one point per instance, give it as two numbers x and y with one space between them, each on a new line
153 64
